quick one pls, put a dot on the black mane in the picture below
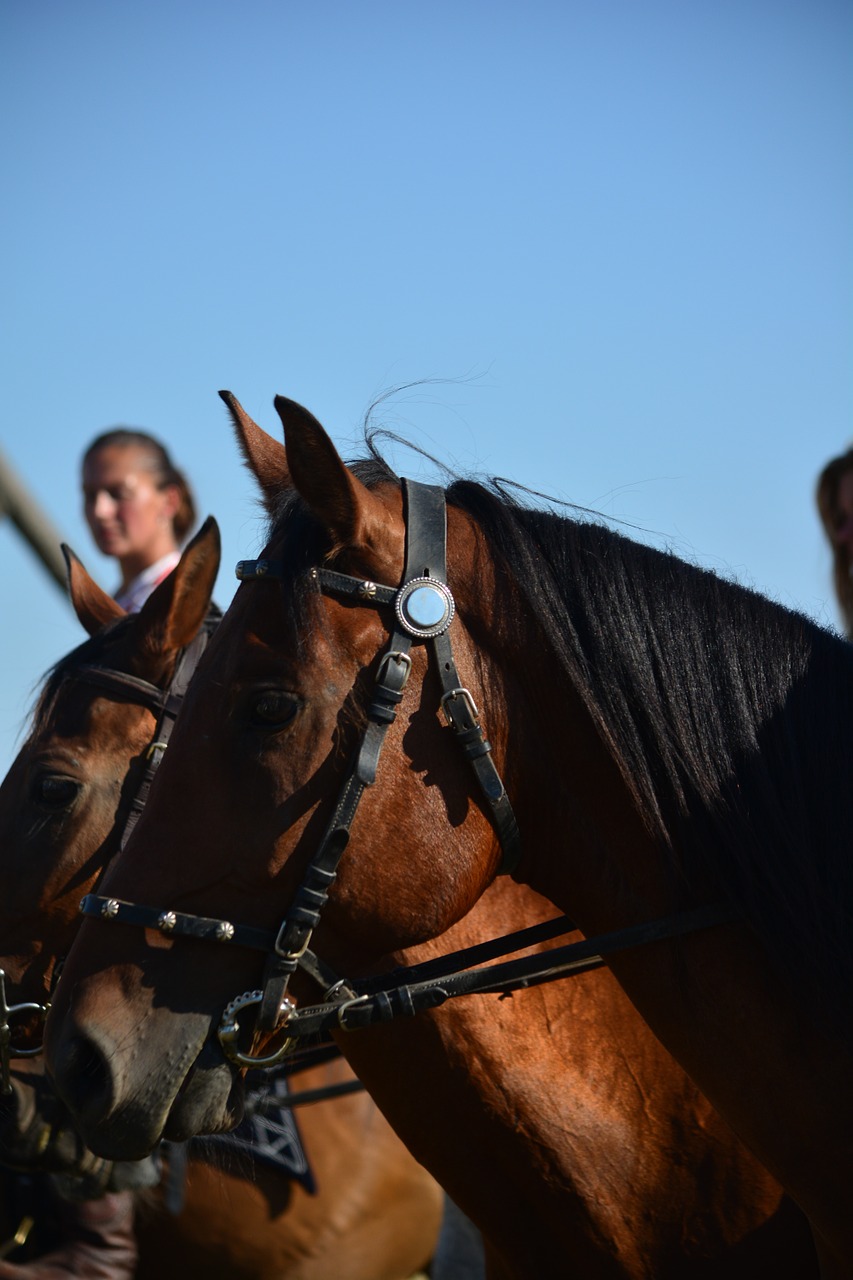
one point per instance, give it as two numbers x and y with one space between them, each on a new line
729 716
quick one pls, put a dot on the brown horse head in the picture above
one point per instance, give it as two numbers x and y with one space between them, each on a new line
249 785
670 740
65 803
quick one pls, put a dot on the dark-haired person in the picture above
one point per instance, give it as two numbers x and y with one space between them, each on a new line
835 505
139 507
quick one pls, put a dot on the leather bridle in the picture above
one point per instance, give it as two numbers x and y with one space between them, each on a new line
164 704
423 609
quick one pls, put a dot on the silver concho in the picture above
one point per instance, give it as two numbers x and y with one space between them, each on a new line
167 921
224 931
424 607
110 909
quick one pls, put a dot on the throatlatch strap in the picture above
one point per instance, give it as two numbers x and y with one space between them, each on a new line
462 717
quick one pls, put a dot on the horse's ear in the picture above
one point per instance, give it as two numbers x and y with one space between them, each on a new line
92 605
355 517
264 456
176 608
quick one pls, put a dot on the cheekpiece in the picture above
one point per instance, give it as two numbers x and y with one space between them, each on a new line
424 607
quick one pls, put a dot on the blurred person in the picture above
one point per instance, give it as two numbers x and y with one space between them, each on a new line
139 508
835 506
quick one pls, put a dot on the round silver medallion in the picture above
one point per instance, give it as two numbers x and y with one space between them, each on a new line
424 607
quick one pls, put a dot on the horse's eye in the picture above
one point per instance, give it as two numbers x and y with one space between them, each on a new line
272 709
54 792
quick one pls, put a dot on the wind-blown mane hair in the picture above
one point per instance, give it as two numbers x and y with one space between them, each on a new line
729 717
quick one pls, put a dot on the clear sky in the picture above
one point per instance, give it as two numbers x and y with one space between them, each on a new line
613 239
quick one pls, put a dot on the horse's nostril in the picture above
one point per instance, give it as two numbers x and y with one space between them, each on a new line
84 1080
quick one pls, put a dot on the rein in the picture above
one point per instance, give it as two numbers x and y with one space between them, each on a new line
410 989
164 704
423 609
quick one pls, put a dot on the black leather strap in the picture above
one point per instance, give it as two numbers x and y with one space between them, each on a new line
402 997
361 589
184 672
425 541
175 923
121 684
426 531
462 717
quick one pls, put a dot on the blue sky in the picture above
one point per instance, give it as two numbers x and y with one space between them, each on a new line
612 240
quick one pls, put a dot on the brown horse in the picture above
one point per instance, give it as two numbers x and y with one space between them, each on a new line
568 1134
674 746
63 807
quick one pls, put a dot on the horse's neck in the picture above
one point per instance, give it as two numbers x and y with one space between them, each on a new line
497 1132
585 846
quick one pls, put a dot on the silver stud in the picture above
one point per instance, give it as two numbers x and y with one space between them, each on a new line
224 931
167 921
110 909
367 590
261 568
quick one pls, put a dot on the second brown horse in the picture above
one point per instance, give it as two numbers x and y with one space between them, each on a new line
555 1118
375 1212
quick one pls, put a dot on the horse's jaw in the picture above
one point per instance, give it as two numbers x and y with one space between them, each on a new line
210 1099
126 1096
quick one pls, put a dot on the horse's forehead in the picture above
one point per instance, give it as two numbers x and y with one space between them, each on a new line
267 635
275 622
92 723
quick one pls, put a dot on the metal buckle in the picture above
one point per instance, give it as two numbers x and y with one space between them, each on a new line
395 655
290 955
335 990
6 1050
466 698
347 1004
